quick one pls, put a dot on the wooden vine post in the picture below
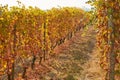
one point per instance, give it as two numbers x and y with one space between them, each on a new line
14 50
111 41
44 40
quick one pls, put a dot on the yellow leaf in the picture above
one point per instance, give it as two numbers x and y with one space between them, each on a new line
83 34
1 19
5 66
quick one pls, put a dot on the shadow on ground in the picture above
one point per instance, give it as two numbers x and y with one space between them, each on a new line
70 56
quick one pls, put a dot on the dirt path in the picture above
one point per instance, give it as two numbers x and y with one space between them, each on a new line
76 59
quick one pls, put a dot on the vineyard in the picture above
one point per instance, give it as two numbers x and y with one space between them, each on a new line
31 33
31 37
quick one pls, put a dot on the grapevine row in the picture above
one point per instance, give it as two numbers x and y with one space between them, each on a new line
108 38
30 33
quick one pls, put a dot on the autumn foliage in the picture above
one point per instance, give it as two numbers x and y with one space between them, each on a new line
27 33
108 35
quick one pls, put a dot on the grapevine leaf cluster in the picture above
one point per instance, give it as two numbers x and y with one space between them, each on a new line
108 35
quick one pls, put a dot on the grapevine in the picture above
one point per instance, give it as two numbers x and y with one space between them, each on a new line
108 39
